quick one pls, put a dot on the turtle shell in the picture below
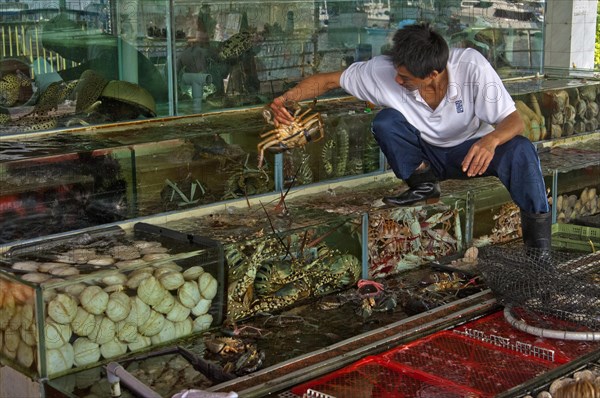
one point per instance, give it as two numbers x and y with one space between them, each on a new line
88 89
120 91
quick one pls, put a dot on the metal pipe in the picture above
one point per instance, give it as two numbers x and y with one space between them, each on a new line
116 372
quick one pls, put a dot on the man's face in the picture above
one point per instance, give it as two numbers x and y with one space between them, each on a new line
408 80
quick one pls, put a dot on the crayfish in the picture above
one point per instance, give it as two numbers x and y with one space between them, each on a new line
302 130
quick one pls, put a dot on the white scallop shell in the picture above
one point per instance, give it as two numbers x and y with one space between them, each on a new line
135 278
113 349
153 324
558 383
104 331
208 286
127 332
140 311
140 343
193 273
31 266
57 335
118 306
25 355
166 305
75 289
171 280
85 352
94 300
189 294
35 277
11 342
202 323
29 336
167 333
183 328
202 307
178 313
114 278
102 261
60 359
84 323
62 308
150 291
67 270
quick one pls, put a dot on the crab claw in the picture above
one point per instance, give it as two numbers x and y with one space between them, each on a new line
367 288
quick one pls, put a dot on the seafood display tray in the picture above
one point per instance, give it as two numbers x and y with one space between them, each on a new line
375 377
494 328
575 237
445 363
75 302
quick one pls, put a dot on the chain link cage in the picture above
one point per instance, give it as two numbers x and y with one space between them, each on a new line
549 289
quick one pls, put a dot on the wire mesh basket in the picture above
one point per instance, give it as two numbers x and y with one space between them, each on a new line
556 290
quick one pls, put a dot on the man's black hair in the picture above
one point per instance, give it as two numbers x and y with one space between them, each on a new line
419 49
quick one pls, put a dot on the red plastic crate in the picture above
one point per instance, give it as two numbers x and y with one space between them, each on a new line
469 363
564 350
372 377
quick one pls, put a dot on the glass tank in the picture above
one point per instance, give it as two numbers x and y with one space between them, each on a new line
74 63
76 302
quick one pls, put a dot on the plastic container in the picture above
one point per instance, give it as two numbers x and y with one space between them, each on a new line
575 237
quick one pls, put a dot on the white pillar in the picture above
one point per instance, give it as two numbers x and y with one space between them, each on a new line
570 35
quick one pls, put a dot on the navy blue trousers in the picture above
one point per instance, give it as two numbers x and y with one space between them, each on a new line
515 163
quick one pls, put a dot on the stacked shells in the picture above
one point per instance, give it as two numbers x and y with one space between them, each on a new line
144 300
570 207
573 111
583 383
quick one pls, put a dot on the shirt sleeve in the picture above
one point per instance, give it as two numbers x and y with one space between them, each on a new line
363 79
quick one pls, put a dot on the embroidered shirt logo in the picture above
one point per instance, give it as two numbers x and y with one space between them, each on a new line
459 106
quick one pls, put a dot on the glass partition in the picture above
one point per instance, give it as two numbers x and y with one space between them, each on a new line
74 63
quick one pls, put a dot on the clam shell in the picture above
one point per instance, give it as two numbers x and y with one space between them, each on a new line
178 313
559 383
153 250
140 311
126 264
31 266
64 271
150 291
189 294
123 252
11 344
27 316
118 306
29 336
85 352
62 308
193 273
155 256
113 349
35 277
183 328
102 261
142 244
202 323
171 280
207 285
46 267
202 307
140 343
153 324
114 278
127 331
75 290
135 278
94 300
25 355
104 331
84 323
167 333
57 335
166 305
60 359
